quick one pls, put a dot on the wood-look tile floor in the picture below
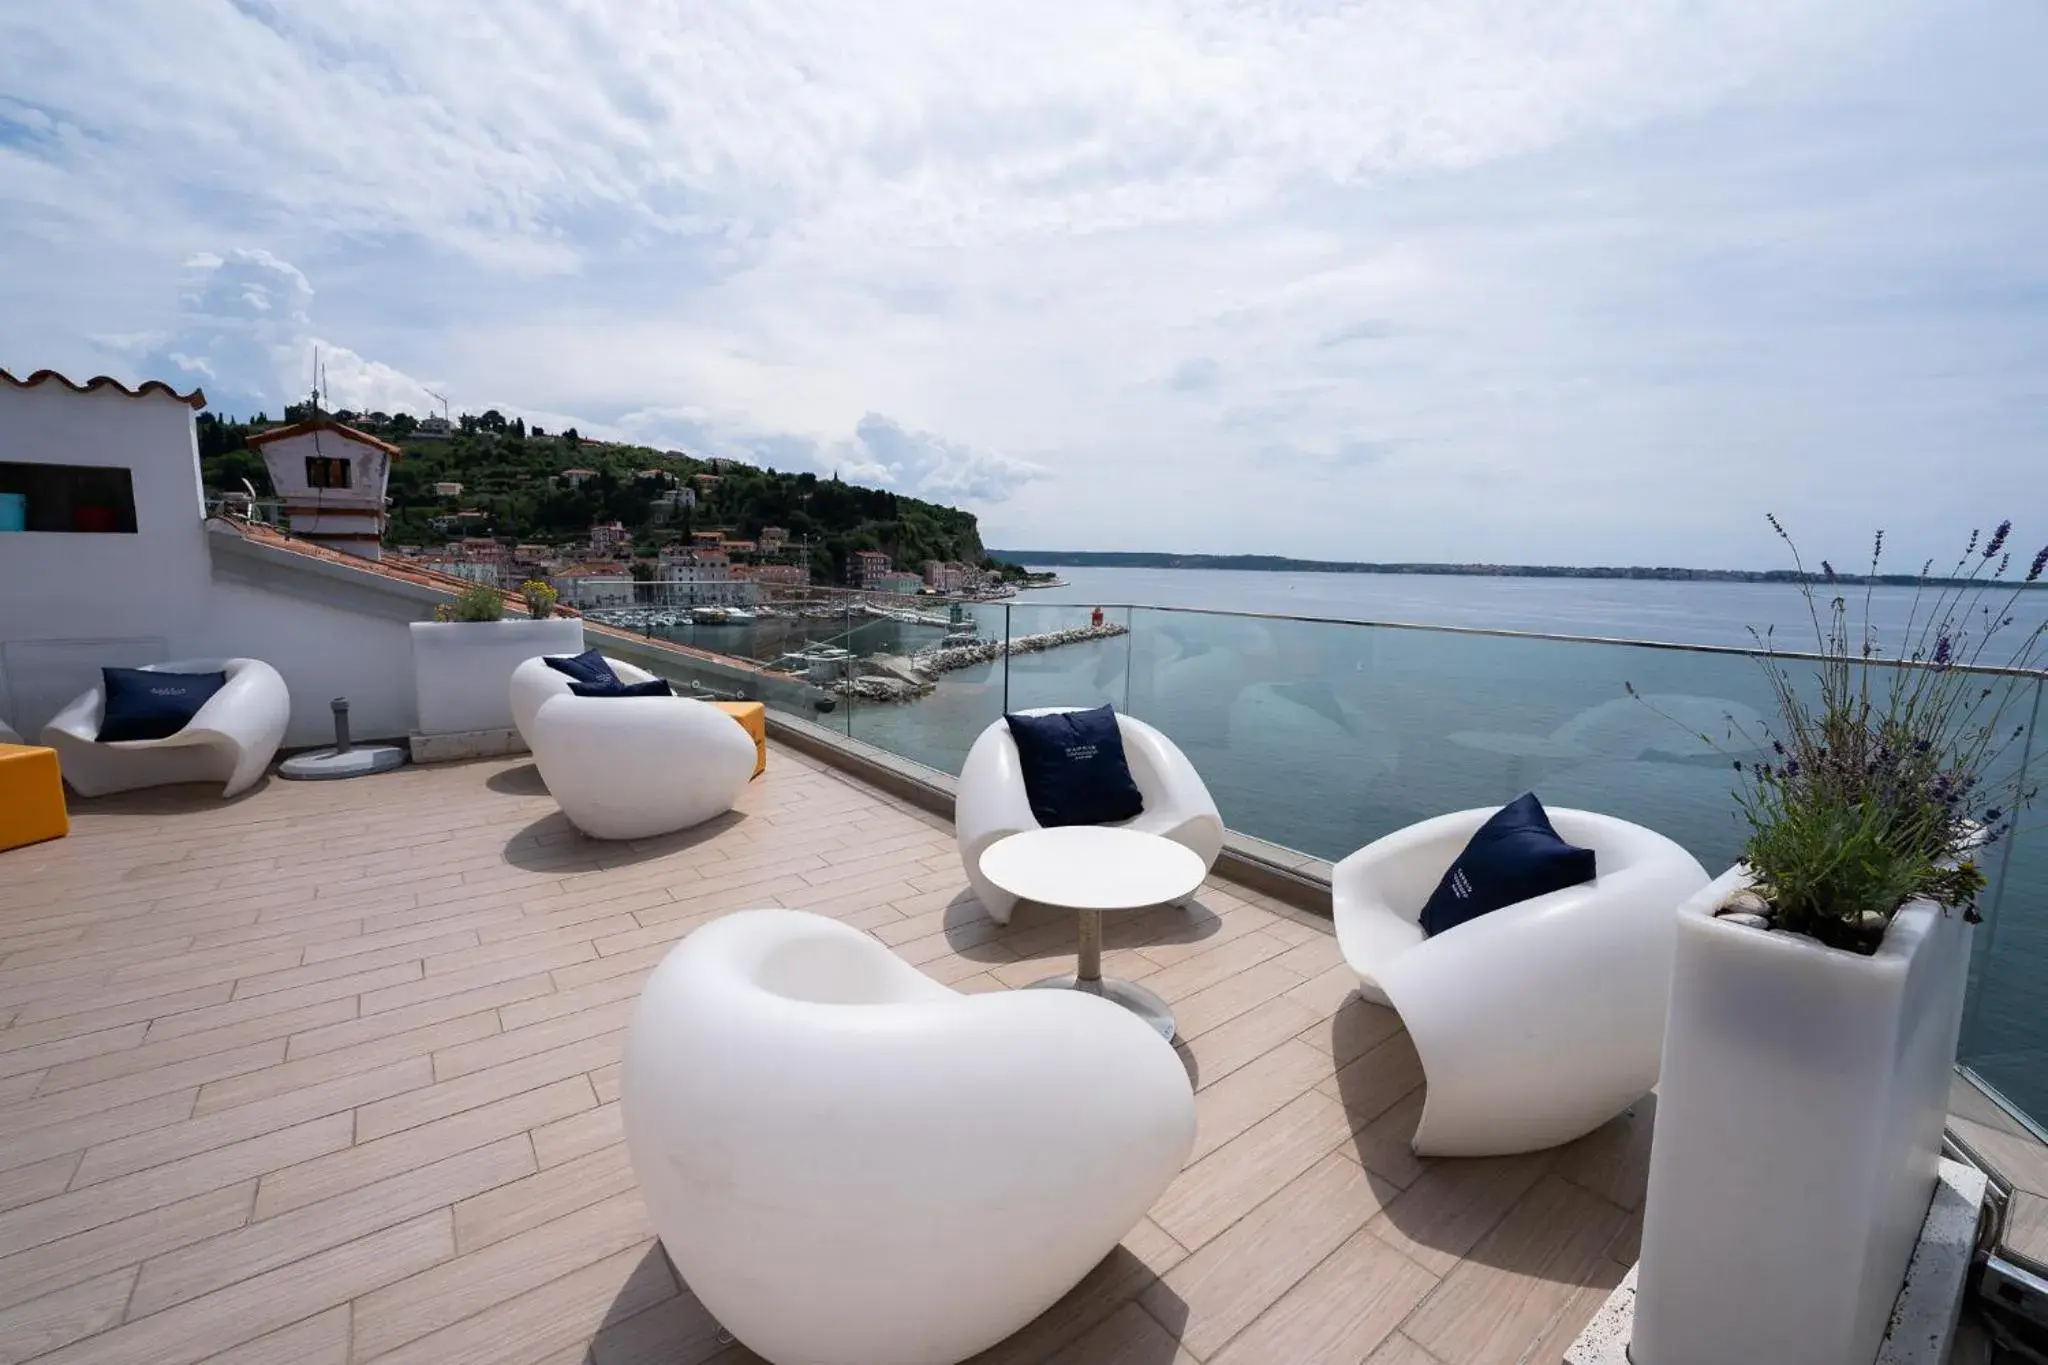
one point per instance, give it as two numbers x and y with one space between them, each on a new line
330 1073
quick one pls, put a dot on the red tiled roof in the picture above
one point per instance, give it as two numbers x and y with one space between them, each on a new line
194 399
347 433
399 570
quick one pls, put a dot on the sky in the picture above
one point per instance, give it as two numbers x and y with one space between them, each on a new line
1559 281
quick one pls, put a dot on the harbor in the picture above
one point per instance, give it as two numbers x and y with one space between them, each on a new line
859 647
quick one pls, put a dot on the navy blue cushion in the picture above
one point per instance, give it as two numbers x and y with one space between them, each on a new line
142 704
653 687
1074 768
1515 856
588 668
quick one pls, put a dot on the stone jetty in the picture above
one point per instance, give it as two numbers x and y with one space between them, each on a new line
907 683
945 658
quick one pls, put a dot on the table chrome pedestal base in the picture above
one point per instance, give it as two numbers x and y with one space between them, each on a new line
1131 996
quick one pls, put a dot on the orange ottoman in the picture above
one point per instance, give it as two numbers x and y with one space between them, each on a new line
31 796
753 718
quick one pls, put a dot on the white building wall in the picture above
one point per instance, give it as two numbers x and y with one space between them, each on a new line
323 652
68 599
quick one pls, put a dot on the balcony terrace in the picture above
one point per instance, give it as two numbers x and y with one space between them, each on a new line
330 1072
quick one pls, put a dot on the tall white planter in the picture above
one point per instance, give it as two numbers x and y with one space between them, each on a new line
462 670
1799 1122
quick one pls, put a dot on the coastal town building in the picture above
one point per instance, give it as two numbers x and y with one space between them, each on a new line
608 537
586 586
576 478
869 565
950 576
670 501
779 575
905 584
448 488
773 538
454 523
472 570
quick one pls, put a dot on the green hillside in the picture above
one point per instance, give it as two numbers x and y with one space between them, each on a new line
509 473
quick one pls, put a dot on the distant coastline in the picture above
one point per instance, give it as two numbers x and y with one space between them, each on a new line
1139 559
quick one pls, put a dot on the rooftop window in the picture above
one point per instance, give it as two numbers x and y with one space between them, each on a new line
326 472
77 499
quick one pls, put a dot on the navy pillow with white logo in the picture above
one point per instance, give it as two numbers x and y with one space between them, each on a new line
588 668
1074 768
1515 856
653 687
144 704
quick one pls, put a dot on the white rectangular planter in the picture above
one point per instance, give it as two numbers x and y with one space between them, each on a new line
1799 1122
462 670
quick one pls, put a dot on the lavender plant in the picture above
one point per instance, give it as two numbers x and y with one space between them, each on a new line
1887 779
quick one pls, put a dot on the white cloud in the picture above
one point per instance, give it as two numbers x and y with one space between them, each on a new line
939 468
245 318
879 451
1546 279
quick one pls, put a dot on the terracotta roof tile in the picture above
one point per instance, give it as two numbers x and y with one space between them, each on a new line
194 399
347 433
399 570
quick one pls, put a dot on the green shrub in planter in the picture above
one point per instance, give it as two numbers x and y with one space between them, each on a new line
477 602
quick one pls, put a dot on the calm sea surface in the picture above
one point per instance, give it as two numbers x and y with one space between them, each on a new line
1323 736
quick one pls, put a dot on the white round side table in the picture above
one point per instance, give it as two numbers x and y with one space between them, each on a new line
1090 869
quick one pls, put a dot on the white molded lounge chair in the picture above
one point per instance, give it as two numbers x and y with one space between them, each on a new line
634 767
231 740
841 1172
991 804
533 682
1538 1022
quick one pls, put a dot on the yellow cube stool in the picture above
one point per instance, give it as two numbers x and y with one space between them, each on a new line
31 796
753 718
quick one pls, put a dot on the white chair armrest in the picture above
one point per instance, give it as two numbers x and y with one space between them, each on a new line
80 718
1400 870
252 704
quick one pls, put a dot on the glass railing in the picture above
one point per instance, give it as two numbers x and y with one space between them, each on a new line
1322 736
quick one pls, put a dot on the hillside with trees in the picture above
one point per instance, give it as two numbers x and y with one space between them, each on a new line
512 475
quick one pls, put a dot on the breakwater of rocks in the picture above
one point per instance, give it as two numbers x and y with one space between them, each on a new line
924 667
945 658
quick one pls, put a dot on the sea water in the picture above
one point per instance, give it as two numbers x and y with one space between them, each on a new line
1322 737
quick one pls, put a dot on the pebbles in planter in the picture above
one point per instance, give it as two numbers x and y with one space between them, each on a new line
1746 908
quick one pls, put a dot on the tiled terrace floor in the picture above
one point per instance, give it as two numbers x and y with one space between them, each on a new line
330 1073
